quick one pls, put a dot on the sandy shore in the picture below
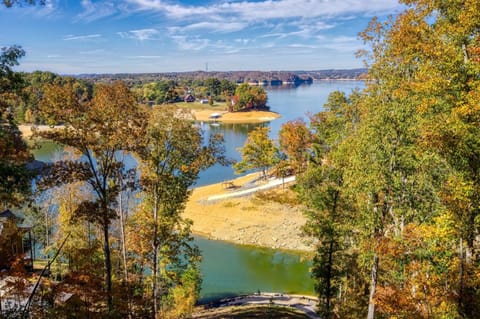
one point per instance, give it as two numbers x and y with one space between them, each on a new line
26 129
203 115
252 220
237 117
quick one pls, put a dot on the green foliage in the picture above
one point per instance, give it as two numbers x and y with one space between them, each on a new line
248 97
393 177
295 140
259 152
98 129
14 154
172 154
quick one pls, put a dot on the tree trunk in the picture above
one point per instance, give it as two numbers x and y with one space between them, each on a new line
328 289
155 257
124 250
460 305
108 266
373 286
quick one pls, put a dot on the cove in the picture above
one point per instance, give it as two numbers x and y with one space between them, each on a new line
230 269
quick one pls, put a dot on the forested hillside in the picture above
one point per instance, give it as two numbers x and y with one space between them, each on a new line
393 182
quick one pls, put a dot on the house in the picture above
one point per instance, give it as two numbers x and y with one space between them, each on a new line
189 98
12 243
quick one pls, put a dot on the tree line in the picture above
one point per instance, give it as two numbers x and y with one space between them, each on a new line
30 90
124 248
389 176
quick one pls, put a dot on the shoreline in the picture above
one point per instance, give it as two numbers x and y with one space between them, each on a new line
304 303
256 219
248 117
242 117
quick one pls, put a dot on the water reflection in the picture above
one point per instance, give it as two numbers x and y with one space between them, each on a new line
231 269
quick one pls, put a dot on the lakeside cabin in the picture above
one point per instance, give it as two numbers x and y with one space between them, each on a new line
14 240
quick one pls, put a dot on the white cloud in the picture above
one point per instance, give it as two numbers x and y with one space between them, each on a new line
270 9
220 27
190 44
141 35
95 11
93 52
81 37
147 57
344 44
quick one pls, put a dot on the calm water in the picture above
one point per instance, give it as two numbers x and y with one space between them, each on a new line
230 269
290 103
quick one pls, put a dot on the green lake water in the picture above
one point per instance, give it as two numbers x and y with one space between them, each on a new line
230 269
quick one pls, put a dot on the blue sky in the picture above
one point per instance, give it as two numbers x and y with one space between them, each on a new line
133 36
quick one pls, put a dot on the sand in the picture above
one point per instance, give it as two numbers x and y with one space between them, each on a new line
237 117
259 220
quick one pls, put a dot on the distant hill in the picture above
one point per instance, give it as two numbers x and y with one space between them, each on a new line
254 77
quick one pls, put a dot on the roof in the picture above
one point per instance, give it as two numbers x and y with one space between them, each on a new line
8 214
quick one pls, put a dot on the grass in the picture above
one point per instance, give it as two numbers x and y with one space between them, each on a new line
244 312
197 106
282 196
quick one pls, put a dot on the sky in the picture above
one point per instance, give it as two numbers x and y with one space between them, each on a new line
137 36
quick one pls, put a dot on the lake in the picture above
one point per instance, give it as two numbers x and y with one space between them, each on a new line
230 269
290 103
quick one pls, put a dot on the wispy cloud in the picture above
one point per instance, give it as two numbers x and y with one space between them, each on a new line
95 11
81 37
269 9
190 44
220 27
343 44
141 35
93 52
146 57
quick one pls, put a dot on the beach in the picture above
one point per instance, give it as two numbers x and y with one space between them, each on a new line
259 219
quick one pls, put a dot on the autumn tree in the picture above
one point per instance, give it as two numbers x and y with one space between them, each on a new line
329 206
10 3
259 152
99 130
294 140
172 155
14 154
248 97
432 52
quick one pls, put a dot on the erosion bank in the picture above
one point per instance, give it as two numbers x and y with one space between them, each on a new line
268 219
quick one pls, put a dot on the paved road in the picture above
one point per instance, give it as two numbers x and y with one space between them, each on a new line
245 192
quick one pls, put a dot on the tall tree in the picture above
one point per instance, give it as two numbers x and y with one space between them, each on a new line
172 156
248 97
436 44
98 129
259 152
329 207
294 139
14 154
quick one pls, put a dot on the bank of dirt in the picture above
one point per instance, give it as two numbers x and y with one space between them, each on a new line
270 218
